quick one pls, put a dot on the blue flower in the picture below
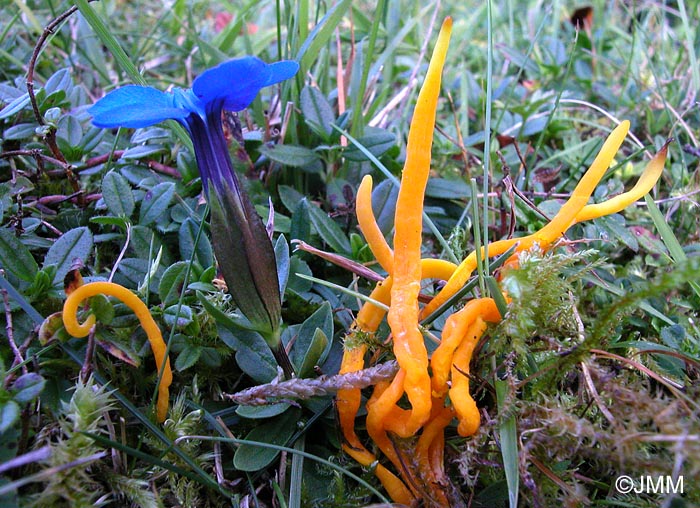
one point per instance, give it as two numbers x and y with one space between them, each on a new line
231 86
244 251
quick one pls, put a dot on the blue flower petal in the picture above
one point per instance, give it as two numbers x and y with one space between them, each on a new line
280 71
135 106
238 81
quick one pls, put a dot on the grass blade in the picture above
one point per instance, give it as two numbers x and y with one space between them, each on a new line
122 59
669 238
320 35
148 424
509 445
104 34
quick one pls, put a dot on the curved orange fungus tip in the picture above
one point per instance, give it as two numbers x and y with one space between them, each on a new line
158 346
369 227
551 232
646 182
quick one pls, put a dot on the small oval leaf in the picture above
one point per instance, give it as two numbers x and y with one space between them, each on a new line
376 141
117 194
9 414
28 387
308 339
328 230
74 244
171 283
156 202
278 431
188 236
15 256
187 357
257 412
314 354
292 155
318 114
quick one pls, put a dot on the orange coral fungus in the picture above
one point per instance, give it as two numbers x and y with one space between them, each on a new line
409 347
76 329
410 433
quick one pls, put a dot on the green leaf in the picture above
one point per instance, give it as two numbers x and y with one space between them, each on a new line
210 357
15 256
328 230
59 81
305 352
314 354
253 355
257 412
175 320
441 188
156 202
69 132
73 244
300 227
384 198
187 357
320 35
9 414
257 361
102 308
673 336
142 151
21 185
294 156
669 238
614 225
117 194
509 445
518 59
318 114
142 136
132 271
27 387
297 284
290 197
377 141
171 283
98 25
187 237
282 258
110 220
16 105
277 432
246 258
20 131
146 242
